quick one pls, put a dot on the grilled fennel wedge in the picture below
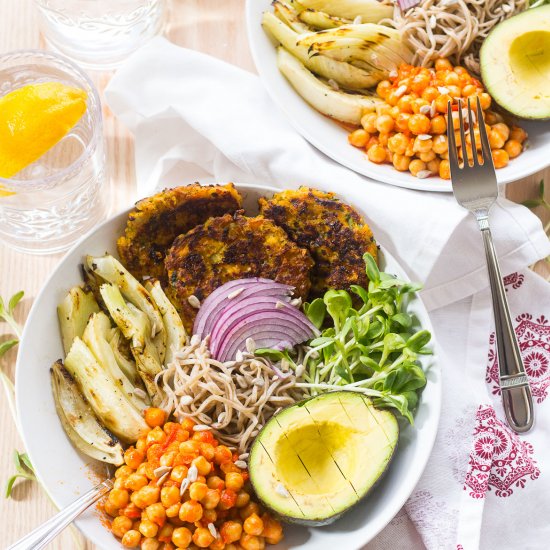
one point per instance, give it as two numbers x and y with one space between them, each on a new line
96 337
73 313
370 11
135 326
333 103
109 403
79 422
176 337
344 74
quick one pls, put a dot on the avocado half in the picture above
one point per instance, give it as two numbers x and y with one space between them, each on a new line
314 460
515 64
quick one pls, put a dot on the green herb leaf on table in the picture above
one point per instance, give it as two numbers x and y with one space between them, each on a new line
7 314
23 469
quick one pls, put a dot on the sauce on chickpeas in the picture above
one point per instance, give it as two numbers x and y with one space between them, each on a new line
179 488
409 130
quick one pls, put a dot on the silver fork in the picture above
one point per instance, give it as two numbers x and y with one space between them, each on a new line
475 188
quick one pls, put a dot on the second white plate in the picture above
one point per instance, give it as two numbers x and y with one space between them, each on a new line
332 140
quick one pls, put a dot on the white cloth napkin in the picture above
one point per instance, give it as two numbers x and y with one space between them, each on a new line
197 118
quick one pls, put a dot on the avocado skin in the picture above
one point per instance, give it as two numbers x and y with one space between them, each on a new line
329 519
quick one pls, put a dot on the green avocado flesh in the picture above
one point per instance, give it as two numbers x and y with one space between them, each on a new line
316 459
515 64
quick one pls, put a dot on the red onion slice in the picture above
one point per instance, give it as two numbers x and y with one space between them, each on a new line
407 4
218 299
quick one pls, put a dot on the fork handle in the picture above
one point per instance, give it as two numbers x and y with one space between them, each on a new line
43 534
517 400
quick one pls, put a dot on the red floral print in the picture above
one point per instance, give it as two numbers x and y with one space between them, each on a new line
534 344
515 280
499 459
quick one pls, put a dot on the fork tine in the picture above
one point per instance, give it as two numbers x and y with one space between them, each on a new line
462 136
472 134
453 155
485 147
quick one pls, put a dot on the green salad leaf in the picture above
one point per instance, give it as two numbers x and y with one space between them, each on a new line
372 348
23 468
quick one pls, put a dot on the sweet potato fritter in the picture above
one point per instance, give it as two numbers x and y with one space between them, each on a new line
233 247
156 221
333 232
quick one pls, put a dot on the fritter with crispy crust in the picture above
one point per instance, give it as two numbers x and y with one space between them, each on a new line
233 247
333 232
156 221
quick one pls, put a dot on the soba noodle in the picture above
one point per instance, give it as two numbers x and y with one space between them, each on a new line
235 399
451 28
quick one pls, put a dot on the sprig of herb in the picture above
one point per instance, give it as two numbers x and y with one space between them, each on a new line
373 349
7 314
539 201
23 468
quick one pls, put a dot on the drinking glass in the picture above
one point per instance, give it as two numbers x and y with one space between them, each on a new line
61 195
99 33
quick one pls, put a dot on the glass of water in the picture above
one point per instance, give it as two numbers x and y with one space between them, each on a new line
100 34
60 196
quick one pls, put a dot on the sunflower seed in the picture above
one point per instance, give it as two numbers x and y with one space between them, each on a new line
241 464
162 479
239 356
279 304
424 137
140 393
281 490
299 370
162 470
393 73
235 293
506 8
146 277
186 400
297 302
432 108
425 109
433 22
212 529
201 428
194 301
193 473
442 90
244 456
250 345
184 484
401 90
423 174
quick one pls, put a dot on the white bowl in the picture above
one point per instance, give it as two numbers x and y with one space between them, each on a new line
331 139
65 473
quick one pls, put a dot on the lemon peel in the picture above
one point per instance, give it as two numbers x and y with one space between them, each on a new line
33 119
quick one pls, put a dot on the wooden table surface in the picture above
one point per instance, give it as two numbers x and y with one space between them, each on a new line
215 27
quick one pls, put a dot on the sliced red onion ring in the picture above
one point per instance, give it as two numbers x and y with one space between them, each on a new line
219 299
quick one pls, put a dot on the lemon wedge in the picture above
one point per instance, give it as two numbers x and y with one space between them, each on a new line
32 120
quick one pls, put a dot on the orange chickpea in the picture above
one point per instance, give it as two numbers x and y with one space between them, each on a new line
211 499
358 138
253 525
218 544
445 170
441 103
272 529
135 482
402 122
502 129
131 539
383 88
207 449
420 82
120 526
165 533
251 542
391 99
181 537
169 496
231 531
416 166
209 516
433 165
368 122
215 482
451 79
383 109
189 447
156 513
133 458
156 435
384 123
119 498
221 453
197 490
234 481
442 64
513 148
468 90
123 471
518 134
149 544
243 498
405 104
485 100
419 124
454 91
394 112
155 417
190 511
187 424
401 162
202 537
145 496
398 143
430 93
120 483
377 154
496 140
173 511
440 144
438 125
500 158
203 466
179 473
422 145
148 529
427 156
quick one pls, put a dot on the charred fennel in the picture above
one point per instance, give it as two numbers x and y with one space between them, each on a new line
79 422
